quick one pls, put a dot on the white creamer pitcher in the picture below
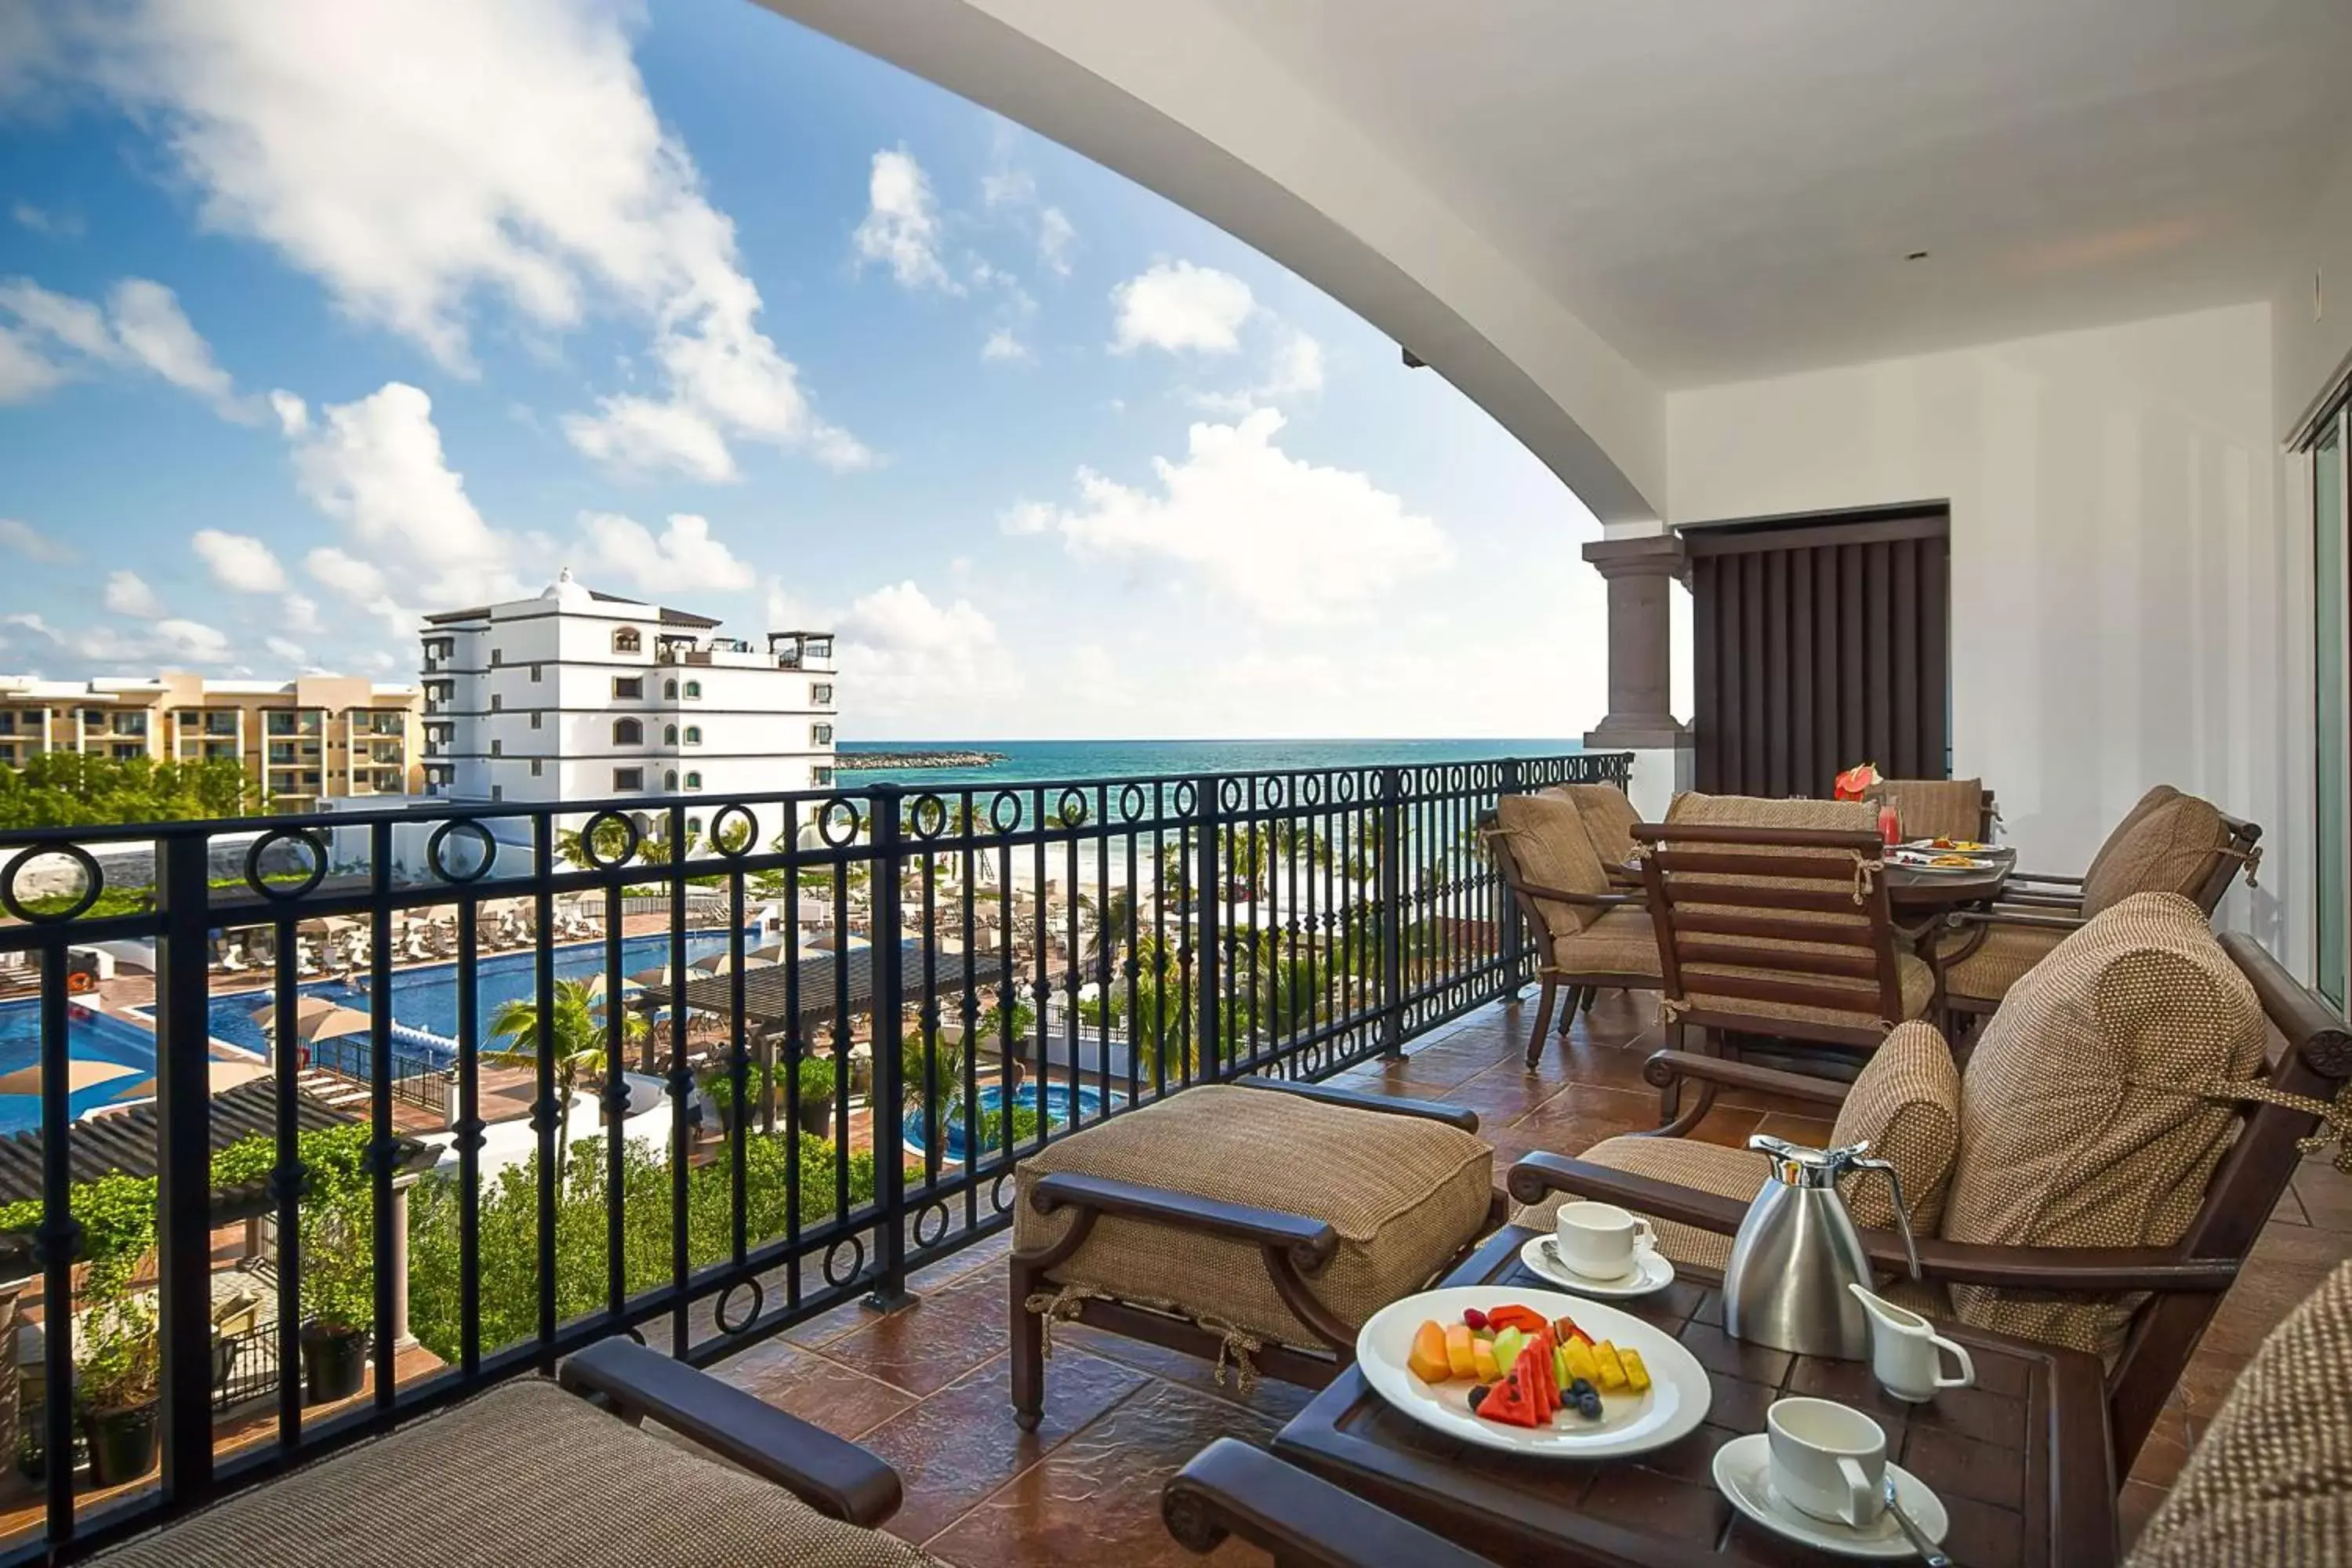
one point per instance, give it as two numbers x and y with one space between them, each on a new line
1906 1352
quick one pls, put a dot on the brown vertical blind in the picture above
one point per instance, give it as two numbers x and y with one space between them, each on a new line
1820 644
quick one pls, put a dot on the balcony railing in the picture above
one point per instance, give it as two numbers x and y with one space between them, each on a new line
963 974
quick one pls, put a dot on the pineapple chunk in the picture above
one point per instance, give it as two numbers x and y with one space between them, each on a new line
1482 1355
1458 1357
1612 1370
1637 1376
1580 1362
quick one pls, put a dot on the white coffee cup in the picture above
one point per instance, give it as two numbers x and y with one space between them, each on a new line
1600 1241
1828 1460
1906 1352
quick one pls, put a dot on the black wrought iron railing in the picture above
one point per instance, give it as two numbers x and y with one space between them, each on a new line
699 1132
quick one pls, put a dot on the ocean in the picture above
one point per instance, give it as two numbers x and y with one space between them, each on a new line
1028 761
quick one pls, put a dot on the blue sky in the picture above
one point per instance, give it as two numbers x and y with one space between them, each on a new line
312 321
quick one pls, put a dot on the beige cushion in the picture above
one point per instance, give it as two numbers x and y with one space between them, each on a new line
2169 849
1405 1194
2072 1131
1758 811
1546 837
2271 1481
1999 962
1906 1104
2156 796
1609 819
521 1476
1705 1167
1622 942
1933 808
1916 980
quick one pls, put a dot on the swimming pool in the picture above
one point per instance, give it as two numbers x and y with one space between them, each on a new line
426 998
1058 1114
91 1035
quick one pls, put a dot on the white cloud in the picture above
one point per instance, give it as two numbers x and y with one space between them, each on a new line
1179 307
1008 188
901 227
347 574
193 640
1295 370
301 614
1054 236
1004 344
1288 540
423 158
291 652
239 560
376 467
293 413
24 540
127 594
909 652
164 641
685 557
1030 517
56 224
57 337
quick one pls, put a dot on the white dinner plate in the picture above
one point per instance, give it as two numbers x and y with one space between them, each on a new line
1672 1406
1919 861
1743 1471
1653 1270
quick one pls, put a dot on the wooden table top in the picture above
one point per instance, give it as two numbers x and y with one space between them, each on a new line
2021 1460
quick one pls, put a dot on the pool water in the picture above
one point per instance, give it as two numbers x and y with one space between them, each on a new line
90 1036
952 1130
426 998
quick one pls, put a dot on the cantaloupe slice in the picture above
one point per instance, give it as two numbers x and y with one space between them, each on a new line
1458 1350
1428 1361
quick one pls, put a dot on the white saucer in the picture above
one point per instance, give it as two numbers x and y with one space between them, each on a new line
1743 1471
1653 1270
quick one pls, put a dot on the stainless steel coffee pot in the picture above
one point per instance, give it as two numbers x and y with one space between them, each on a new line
1798 1251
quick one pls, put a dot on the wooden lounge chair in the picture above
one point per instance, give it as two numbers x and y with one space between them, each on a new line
1777 930
2169 843
2146 997
1591 931
534 1474
1230 1489
1938 808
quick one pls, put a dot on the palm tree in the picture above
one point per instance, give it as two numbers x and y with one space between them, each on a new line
610 838
574 1041
1108 924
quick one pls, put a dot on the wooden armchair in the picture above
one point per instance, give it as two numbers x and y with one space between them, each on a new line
1590 930
2310 1054
1230 1489
1938 808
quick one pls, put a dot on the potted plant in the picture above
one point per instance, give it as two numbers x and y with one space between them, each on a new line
116 1386
817 1075
338 1280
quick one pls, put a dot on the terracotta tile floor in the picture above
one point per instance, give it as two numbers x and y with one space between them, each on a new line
926 1387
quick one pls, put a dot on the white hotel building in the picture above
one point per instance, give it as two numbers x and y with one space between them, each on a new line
577 695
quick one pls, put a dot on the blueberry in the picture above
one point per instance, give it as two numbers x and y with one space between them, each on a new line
1579 1389
1589 1403
1478 1395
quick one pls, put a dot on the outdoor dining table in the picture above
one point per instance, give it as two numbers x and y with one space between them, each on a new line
1914 890
2021 1460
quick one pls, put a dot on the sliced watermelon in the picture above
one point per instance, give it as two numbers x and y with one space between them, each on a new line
1512 1401
1544 1390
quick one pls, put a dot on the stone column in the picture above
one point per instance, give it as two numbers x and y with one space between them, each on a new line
1641 573
401 1337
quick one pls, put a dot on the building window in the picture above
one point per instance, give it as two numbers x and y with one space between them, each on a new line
822 694
498 748
625 640
534 672
498 791
669 735
669 689
820 648
535 716
693 781
124 753
669 779
694 823
537 763
820 776
497 655
821 734
694 734
628 685
498 703
694 688
628 733
628 779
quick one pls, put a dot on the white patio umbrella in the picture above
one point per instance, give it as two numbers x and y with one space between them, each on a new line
82 1073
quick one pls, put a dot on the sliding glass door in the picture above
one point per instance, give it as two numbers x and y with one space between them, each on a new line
2334 682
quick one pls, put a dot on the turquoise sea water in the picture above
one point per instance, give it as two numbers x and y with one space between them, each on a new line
1030 759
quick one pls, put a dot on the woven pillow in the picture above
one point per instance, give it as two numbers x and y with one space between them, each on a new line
1547 839
1609 819
1760 811
2169 849
2156 796
2075 1128
2271 1481
1404 1193
1906 1103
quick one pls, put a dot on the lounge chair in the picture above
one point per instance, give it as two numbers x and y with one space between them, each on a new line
2169 843
1592 931
1230 1489
2048 1202
1938 808
532 1474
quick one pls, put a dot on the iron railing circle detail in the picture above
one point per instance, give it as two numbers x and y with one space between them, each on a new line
93 883
1130 802
759 1300
311 838
632 838
1004 811
927 816
440 836
1232 793
922 1215
998 1198
1343 787
1185 798
1310 790
836 1276
1070 808
750 830
839 812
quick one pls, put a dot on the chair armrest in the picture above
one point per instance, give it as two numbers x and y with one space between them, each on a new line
1537 1176
835 1477
2050 877
1591 900
2007 914
1665 1067
1311 1241
1231 1489
2064 1271
1429 1109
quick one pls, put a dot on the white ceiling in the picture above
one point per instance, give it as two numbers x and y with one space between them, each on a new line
1725 188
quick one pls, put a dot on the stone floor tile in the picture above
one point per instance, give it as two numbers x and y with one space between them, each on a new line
845 1402
1278 1402
945 1335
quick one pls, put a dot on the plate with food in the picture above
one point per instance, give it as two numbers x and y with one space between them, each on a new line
1532 1372
1951 845
1940 862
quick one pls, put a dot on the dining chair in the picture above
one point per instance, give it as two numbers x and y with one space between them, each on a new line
1591 931
1938 808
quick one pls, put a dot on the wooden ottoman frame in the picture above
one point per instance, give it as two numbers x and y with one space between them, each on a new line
1294 1249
